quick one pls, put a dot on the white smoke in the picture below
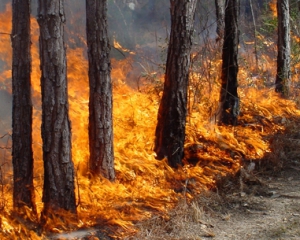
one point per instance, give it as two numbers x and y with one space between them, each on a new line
131 6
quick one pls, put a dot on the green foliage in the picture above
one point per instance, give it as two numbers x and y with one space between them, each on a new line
294 10
295 55
269 25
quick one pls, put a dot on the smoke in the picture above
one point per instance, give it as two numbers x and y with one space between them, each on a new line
5 132
5 111
141 26
5 88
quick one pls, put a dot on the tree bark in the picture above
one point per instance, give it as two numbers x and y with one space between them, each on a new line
22 156
58 192
170 129
229 97
220 19
100 99
284 49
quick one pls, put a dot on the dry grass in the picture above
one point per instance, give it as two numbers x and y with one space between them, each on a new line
199 218
186 221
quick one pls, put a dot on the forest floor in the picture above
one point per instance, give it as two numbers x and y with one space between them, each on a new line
269 210
260 201
263 205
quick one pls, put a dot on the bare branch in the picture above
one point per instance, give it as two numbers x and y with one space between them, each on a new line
7 134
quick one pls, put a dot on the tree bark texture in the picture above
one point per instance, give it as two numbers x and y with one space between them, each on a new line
58 192
22 156
170 129
284 49
100 99
220 5
229 97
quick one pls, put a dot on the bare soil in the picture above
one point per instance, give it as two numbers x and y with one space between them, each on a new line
251 205
269 209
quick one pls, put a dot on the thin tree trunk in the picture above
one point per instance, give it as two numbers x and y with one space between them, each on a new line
100 101
23 192
58 192
284 49
229 97
220 19
170 129
255 34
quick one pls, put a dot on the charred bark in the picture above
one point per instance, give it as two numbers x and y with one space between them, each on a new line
22 156
100 99
229 99
170 129
284 50
58 192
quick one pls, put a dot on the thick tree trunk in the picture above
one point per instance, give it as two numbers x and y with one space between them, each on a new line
170 129
220 19
58 192
229 97
284 49
23 193
100 101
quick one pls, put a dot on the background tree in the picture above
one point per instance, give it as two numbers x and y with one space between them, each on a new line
284 50
100 100
23 192
229 99
58 192
220 19
170 129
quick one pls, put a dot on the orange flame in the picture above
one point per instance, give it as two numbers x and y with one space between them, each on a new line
273 7
143 185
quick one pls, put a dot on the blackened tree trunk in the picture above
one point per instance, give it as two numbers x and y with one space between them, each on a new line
100 100
229 100
23 193
220 19
170 129
58 192
284 49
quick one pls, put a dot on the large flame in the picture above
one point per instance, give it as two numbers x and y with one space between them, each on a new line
143 185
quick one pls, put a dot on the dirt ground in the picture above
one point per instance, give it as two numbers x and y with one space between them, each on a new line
269 209
250 206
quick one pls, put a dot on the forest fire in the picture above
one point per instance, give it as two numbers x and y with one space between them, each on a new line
143 185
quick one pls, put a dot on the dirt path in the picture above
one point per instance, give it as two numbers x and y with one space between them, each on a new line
248 207
267 211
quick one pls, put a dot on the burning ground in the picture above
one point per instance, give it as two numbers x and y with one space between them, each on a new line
148 197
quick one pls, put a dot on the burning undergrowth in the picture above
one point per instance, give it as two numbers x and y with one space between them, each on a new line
144 187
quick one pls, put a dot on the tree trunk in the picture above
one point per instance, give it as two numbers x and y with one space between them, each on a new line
170 129
100 100
23 192
58 192
284 49
255 34
220 19
229 97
